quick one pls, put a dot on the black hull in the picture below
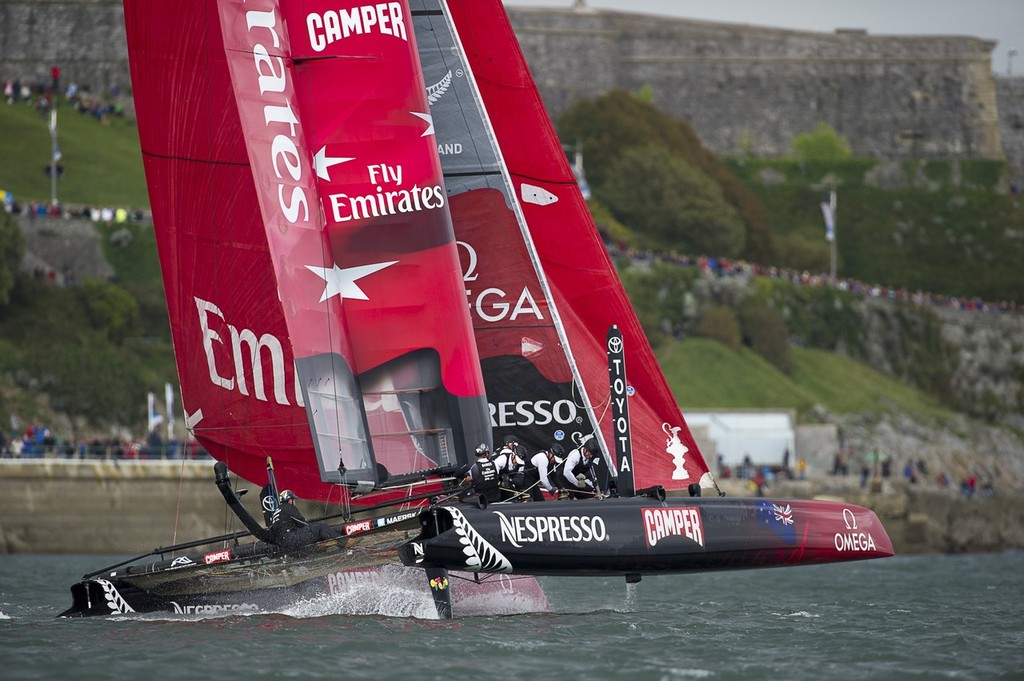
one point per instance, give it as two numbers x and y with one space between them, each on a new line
260 578
639 536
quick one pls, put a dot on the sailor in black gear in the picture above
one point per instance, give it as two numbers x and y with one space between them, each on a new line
483 475
290 529
579 476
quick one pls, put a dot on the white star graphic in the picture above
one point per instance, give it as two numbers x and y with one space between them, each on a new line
342 282
430 122
322 163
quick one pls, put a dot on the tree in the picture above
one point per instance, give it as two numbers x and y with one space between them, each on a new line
823 144
672 203
618 120
111 311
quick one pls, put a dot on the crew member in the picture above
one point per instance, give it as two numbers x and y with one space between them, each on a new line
578 471
483 475
541 471
511 463
290 529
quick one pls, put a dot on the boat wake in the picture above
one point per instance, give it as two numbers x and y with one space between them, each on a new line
397 591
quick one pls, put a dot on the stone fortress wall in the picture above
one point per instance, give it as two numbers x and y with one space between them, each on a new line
745 89
750 89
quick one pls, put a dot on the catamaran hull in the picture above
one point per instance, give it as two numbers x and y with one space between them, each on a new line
237 581
642 536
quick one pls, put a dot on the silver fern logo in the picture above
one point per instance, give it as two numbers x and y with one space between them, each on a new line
437 90
481 556
115 601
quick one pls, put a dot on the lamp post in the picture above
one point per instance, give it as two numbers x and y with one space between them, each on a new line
1009 61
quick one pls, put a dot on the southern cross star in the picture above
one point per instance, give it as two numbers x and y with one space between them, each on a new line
342 282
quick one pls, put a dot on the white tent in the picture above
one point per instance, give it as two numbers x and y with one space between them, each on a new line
763 436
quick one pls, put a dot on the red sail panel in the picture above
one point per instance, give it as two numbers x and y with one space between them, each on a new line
532 392
584 285
231 344
364 105
311 285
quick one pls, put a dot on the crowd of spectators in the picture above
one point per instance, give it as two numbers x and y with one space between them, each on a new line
36 441
723 267
107 215
42 95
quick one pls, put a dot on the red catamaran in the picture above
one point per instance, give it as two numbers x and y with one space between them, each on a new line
332 181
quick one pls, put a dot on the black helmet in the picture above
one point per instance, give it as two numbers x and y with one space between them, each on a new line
482 449
511 439
557 449
286 496
592 446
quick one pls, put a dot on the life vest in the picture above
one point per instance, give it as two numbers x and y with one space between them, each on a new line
513 461
485 476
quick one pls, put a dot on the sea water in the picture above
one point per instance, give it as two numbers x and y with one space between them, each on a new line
908 617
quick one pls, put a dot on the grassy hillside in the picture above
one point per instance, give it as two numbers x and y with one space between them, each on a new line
947 227
102 162
705 374
48 333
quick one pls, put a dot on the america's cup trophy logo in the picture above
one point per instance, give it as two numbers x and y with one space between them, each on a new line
677 450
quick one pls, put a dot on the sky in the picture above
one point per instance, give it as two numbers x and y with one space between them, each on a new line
1000 20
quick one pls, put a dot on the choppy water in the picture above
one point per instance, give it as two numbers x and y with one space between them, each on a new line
909 617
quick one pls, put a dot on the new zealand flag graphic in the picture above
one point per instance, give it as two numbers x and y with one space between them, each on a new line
778 518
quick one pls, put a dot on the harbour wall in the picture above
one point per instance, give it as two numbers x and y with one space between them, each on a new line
110 506
745 89
131 507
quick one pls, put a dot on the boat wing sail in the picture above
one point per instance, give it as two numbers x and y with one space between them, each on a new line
577 286
533 389
309 261
390 264
310 284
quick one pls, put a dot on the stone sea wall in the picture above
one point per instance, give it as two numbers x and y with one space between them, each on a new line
72 506
745 89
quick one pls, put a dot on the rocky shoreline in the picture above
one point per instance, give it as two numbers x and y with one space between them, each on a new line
110 507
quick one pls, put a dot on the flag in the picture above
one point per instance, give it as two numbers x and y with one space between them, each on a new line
155 419
581 178
830 225
169 402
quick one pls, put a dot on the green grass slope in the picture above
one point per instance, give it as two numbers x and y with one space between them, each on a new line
102 162
704 374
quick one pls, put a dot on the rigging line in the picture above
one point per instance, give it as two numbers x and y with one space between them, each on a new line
190 159
276 426
475 173
531 178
